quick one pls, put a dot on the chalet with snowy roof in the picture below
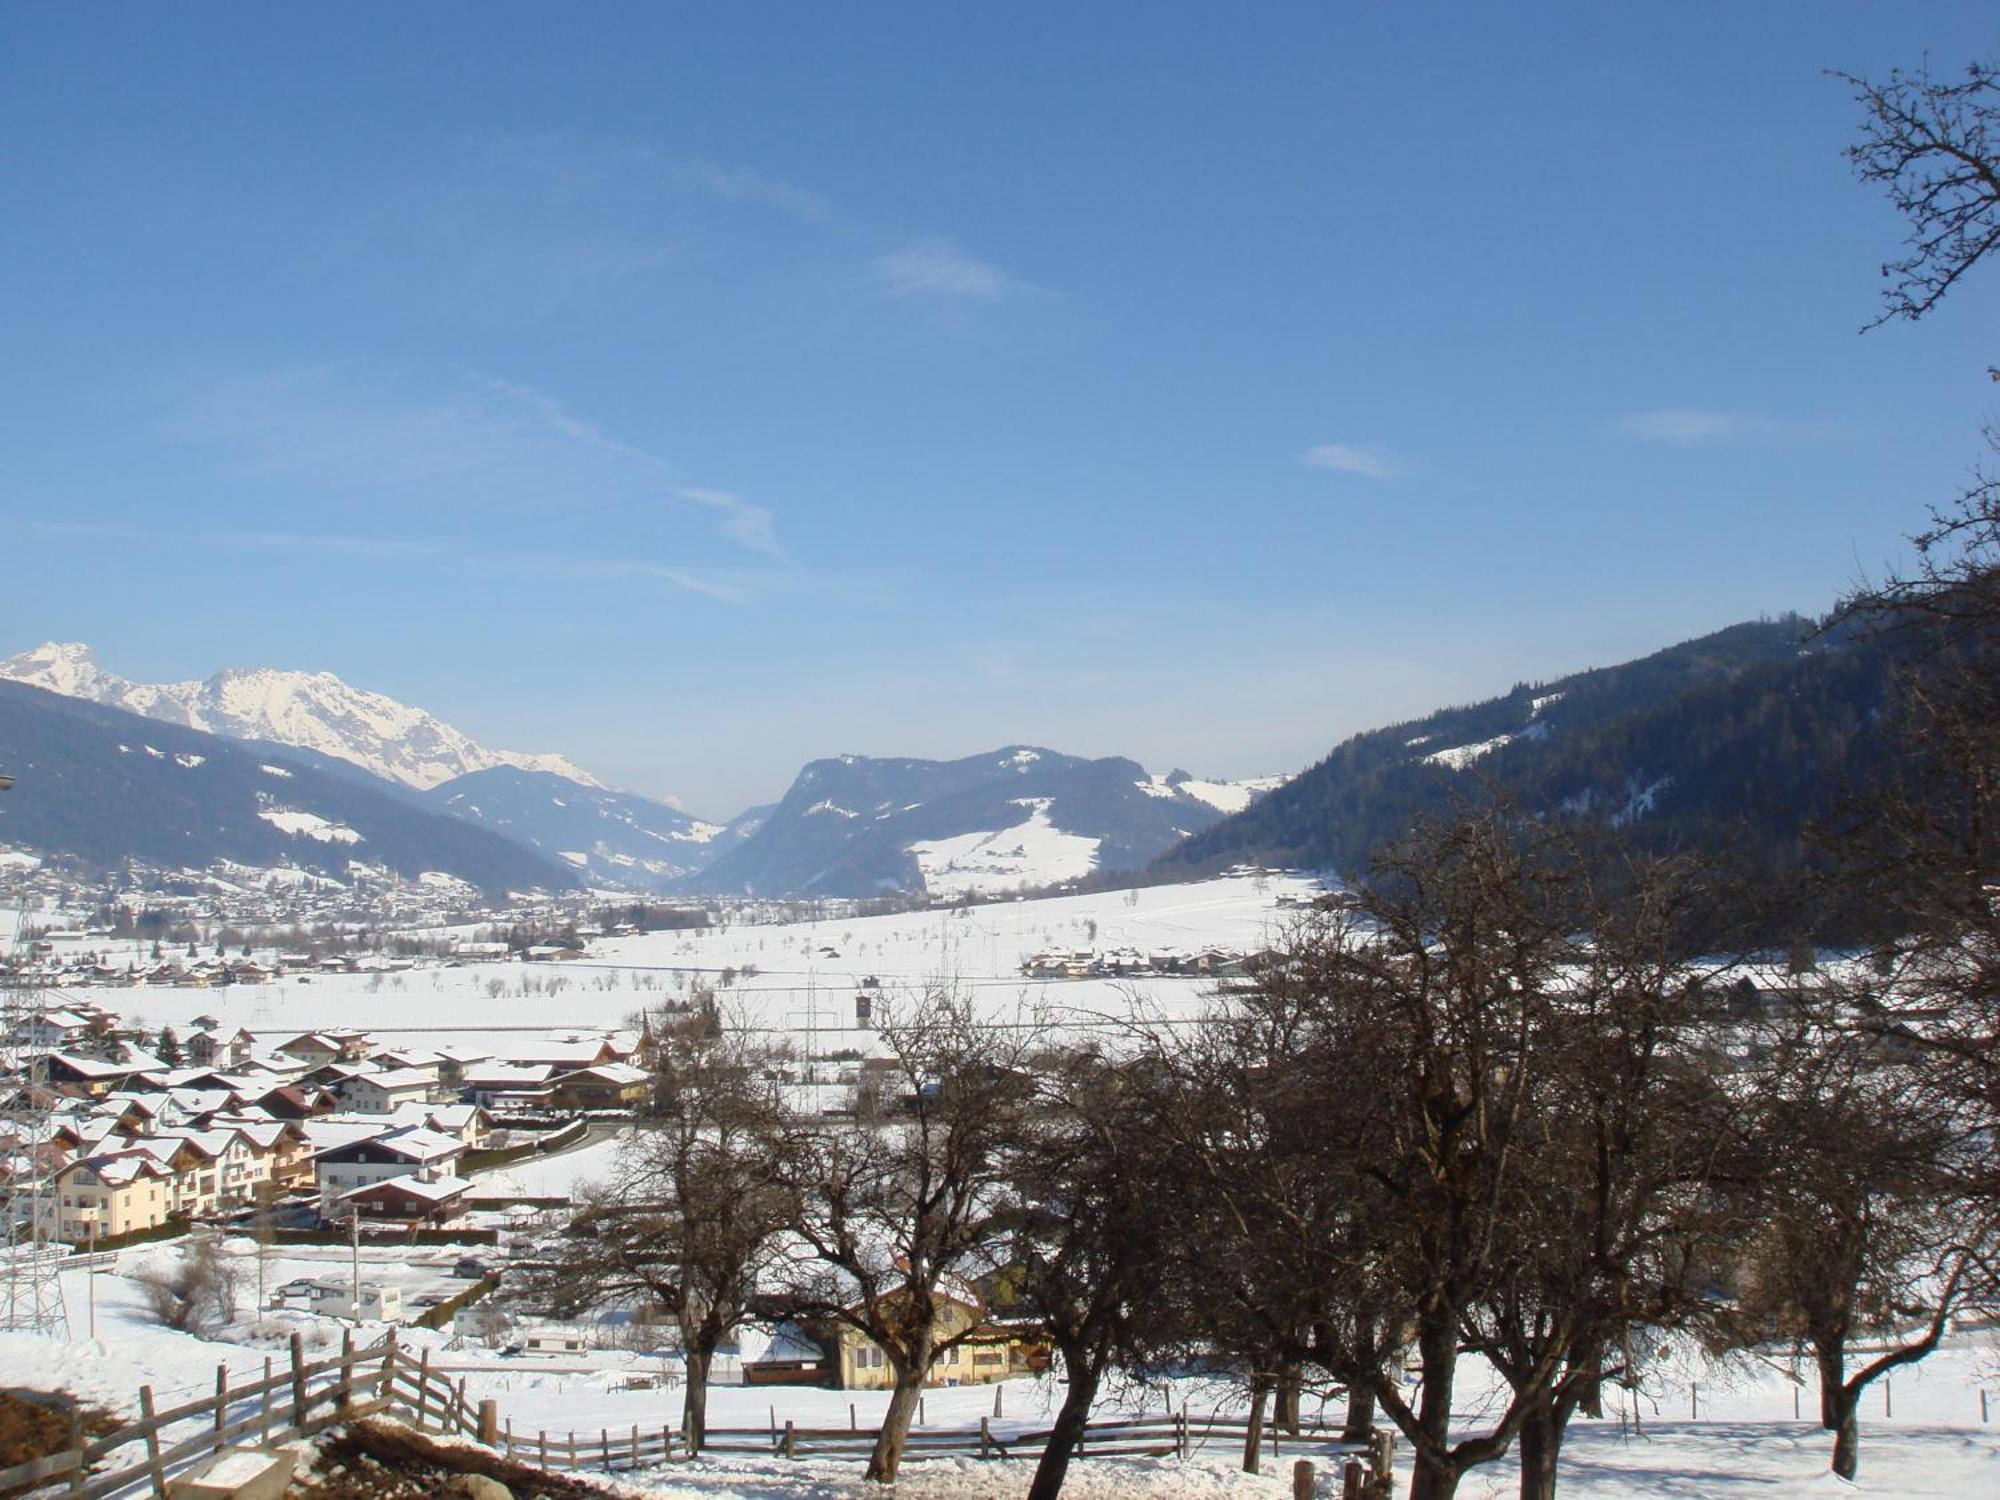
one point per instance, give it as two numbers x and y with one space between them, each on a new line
410 1151
508 1086
92 1075
294 1101
214 1049
452 1063
613 1085
112 1193
382 1093
316 1048
470 1123
567 1053
406 1202
58 1030
278 1149
986 1351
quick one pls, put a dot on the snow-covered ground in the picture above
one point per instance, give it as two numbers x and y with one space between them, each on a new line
1744 1441
1922 1437
794 978
557 1175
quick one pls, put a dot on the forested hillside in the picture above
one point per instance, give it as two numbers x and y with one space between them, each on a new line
1741 742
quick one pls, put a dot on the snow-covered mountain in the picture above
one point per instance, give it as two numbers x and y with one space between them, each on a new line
107 787
310 710
615 838
1016 817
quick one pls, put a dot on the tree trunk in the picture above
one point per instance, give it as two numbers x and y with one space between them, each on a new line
1832 1361
1068 1429
1253 1438
1541 1446
1847 1439
887 1455
1360 1413
694 1406
1436 1476
1285 1413
1839 1408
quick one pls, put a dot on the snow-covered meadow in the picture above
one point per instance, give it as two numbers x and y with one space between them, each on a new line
1734 1434
800 977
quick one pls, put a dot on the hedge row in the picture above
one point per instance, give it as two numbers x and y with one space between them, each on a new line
445 1311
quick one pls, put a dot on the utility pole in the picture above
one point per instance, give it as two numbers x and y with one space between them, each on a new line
30 1284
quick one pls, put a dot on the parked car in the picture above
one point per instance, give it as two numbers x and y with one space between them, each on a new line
472 1268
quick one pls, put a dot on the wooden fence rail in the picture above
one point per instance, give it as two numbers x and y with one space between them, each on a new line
297 1398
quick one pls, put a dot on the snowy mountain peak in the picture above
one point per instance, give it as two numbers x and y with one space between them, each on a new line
311 710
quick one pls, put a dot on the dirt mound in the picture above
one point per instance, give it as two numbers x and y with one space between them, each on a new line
34 1423
387 1461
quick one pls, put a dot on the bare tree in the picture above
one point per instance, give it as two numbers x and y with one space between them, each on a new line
1637 1141
1934 147
691 1220
1095 1186
898 1211
1470 1111
197 1293
1866 1226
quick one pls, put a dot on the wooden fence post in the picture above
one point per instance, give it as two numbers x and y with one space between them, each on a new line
791 1440
1354 1481
76 1475
999 1391
1302 1480
298 1383
153 1469
423 1387
1181 1433
604 1443
1382 1458
635 1445
853 1422
344 1392
221 1403
387 1390
489 1421
264 1407
545 1448
985 1437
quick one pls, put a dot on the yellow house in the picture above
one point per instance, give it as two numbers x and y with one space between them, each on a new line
863 1366
116 1193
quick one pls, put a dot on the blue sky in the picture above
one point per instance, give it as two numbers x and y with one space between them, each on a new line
697 390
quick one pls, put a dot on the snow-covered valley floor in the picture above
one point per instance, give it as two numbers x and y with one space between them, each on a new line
1921 1438
1745 1440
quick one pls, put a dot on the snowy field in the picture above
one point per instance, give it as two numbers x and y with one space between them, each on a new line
806 974
1743 1442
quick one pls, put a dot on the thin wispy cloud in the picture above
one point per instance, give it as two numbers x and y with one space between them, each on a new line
939 270
727 586
448 436
1693 427
743 185
1347 458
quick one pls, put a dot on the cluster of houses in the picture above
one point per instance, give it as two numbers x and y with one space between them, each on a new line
329 1122
1130 963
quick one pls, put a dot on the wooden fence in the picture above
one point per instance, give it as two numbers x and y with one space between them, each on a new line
298 1397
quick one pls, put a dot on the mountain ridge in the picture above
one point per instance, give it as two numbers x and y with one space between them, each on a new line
109 787
315 711
1011 818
